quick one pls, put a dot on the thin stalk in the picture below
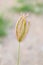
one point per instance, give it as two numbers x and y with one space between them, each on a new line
18 55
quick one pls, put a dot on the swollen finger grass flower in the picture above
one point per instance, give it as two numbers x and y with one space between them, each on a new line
22 27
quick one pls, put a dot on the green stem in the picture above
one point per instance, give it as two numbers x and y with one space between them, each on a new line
18 55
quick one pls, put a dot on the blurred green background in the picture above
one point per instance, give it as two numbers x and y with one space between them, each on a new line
4 25
34 6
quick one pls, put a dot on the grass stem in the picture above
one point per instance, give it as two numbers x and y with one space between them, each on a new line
18 55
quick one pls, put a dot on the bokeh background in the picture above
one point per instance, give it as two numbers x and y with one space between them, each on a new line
31 48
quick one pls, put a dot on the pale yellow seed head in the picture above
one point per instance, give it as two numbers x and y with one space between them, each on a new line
21 28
